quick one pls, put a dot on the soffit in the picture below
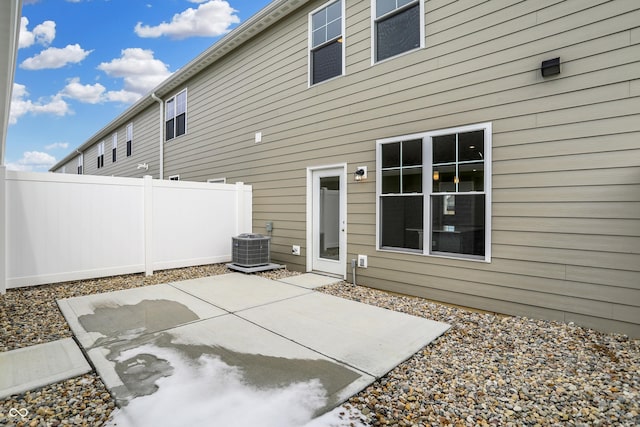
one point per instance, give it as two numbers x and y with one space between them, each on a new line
10 13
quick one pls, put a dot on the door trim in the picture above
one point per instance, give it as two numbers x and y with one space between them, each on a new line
343 235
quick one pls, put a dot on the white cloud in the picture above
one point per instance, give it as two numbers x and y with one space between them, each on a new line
211 19
54 57
122 96
90 94
139 69
55 145
33 160
42 34
21 105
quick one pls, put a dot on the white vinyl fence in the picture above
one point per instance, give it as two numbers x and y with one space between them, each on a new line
57 227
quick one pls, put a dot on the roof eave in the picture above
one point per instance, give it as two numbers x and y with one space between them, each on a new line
10 15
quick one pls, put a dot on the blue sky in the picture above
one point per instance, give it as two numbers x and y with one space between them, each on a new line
83 62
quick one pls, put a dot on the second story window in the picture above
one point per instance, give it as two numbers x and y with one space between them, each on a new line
129 139
101 155
176 116
114 147
80 162
397 27
326 43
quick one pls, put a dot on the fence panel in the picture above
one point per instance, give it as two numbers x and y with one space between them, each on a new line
60 227
190 228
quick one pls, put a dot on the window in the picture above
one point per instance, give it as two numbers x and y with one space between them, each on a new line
326 42
129 139
174 178
80 163
402 199
398 27
434 193
176 116
114 147
101 155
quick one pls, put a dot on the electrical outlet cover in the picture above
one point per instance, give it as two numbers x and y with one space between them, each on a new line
362 261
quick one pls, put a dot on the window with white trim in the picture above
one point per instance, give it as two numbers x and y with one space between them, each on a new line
326 42
176 116
80 163
101 155
129 139
398 27
114 147
434 193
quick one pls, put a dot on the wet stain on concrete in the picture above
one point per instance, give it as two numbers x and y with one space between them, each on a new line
127 320
141 373
130 327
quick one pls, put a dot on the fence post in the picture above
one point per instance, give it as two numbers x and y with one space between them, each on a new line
148 225
239 208
3 229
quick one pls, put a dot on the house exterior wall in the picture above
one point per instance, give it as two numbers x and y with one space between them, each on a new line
565 170
144 150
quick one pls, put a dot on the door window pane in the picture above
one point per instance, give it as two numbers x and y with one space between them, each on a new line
329 200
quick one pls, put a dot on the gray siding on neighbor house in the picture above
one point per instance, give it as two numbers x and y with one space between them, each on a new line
566 156
144 149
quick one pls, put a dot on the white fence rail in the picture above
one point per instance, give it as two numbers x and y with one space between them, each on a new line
57 227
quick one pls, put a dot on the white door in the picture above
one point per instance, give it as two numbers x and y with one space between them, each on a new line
328 205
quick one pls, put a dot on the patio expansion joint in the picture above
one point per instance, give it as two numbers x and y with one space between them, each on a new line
245 308
342 362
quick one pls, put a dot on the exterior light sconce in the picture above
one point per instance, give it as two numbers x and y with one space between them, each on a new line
550 67
360 173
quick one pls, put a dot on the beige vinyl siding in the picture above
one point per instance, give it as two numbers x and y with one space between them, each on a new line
565 151
566 205
145 149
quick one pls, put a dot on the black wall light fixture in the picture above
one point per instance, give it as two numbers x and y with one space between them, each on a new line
550 67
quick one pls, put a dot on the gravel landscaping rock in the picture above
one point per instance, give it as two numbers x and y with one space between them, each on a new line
499 370
487 369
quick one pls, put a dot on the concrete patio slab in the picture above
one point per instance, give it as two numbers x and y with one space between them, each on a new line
237 291
161 349
371 339
150 309
310 280
263 360
40 365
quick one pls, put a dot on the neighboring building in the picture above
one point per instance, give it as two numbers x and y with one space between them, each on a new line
480 182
